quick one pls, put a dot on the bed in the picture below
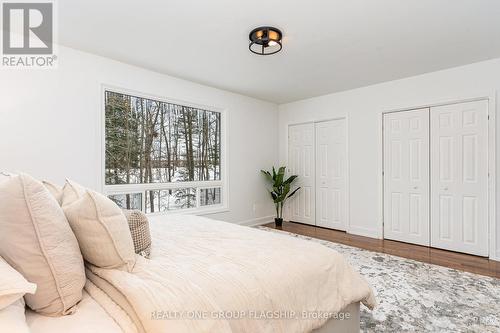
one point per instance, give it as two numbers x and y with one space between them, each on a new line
211 276
90 317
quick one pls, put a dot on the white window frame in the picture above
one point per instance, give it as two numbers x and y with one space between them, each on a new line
223 183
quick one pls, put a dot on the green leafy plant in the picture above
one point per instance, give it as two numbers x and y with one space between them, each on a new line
281 190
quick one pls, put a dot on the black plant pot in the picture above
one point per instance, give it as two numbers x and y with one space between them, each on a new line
278 222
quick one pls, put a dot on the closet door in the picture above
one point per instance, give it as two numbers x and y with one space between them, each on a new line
331 174
406 176
301 162
459 169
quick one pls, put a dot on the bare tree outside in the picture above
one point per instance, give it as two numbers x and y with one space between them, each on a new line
150 141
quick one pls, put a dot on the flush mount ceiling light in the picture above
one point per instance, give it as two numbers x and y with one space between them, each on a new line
265 40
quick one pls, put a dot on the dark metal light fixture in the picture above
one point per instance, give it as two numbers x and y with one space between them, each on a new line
265 40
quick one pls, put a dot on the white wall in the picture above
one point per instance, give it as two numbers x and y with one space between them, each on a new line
364 106
50 124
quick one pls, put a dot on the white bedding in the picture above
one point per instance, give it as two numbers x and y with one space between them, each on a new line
90 317
209 268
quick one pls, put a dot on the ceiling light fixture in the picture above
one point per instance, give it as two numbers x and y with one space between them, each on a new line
265 40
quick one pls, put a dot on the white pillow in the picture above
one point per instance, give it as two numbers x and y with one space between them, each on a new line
102 231
37 241
13 318
71 192
55 190
13 285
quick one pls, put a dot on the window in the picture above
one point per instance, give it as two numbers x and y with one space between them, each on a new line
162 156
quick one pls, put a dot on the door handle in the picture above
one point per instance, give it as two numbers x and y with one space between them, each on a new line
445 188
415 187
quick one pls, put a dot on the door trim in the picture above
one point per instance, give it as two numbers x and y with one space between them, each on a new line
491 97
348 173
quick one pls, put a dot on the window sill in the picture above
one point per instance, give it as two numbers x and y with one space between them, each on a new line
193 211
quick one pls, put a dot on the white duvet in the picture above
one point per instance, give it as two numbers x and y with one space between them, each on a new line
211 276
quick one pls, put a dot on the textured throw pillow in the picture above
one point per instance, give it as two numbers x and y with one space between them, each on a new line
71 192
13 285
139 228
55 190
102 231
37 241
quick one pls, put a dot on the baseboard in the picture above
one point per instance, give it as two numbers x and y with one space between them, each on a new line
257 221
496 256
360 231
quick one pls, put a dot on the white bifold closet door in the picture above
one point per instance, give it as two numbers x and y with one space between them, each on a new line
301 163
331 174
406 176
317 153
459 177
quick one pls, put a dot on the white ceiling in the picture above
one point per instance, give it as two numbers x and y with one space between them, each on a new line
329 45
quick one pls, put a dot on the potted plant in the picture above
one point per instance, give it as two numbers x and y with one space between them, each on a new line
280 191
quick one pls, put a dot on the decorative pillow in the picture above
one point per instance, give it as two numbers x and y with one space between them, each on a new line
71 192
13 318
139 228
36 240
102 231
13 285
55 190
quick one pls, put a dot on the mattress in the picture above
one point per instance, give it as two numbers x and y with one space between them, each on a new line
90 317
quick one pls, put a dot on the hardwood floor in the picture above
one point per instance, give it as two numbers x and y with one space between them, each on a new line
460 261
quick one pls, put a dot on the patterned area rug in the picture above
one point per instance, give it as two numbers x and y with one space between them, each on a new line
419 297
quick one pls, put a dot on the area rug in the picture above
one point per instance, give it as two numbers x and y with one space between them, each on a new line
419 297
